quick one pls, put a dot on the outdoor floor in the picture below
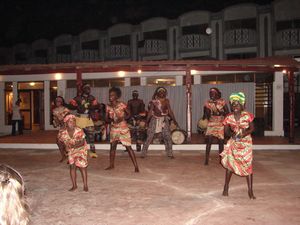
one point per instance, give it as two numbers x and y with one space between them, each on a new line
165 192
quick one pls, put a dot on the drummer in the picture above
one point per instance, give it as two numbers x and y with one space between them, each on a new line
136 107
158 121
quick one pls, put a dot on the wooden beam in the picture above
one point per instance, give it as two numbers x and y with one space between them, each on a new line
188 78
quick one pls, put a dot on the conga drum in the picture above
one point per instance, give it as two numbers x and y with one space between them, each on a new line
202 124
178 136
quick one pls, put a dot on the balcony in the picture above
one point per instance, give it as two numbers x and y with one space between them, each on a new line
118 52
154 47
194 42
63 58
240 38
89 55
287 39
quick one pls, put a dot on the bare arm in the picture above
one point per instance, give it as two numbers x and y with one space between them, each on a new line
171 114
249 130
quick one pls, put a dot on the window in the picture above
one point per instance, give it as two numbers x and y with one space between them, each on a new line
195 29
158 34
41 53
121 40
241 24
135 81
287 24
161 81
241 55
8 102
63 50
90 45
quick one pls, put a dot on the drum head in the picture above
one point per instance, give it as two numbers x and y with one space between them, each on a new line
178 137
202 124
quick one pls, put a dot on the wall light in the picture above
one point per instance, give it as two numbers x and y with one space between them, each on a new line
121 73
139 71
193 72
284 71
32 84
58 76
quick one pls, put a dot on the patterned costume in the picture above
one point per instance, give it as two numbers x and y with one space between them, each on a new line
58 116
215 123
157 125
76 155
119 131
237 155
84 104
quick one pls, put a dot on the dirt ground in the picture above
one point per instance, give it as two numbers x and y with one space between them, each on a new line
165 192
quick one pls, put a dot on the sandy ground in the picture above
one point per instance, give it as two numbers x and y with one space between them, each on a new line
165 192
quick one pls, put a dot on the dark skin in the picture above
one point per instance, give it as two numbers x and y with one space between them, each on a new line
114 101
86 95
165 106
214 96
73 168
61 147
237 109
135 105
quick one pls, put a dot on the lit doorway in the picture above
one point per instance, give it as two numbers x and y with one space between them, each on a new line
32 105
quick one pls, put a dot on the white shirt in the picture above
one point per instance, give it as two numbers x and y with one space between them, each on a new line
16 113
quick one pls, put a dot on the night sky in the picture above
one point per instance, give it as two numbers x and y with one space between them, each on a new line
29 20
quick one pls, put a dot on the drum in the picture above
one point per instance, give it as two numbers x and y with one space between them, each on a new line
178 136
172 126
202 124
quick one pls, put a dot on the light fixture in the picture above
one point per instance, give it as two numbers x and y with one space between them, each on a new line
193 72
139 71
58 76
31 84
55 88
208 30
121 73
284 71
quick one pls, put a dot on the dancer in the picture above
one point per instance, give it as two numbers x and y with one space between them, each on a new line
237 155
215 109
73 138
85 104
14 209
59 112
158 118
136 107
116 111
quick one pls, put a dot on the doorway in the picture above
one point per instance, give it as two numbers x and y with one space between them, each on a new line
32 105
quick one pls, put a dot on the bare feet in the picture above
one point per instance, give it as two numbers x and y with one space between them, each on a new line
206 163
73 188
251 195
225 191
171 157
110 168
85 188
136 170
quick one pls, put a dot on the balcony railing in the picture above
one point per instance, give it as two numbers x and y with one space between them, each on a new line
154 47
89 55
240 37
287 39
194 42
118 52
63 58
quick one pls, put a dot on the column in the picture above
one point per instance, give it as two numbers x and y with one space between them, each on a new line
197 79
290 74
47 105
179 80
61 88
189 105
127 81
143 81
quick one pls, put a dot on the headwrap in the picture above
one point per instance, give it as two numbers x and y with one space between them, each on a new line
239 96
161 89
135 91
68 117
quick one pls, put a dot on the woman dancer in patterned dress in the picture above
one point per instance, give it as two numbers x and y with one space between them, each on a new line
116 111
215 109
237 155
73 138
59 112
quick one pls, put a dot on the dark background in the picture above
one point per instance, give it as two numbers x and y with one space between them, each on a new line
29 20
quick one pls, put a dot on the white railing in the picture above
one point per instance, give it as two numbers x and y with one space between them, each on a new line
118 52
289 38
240 37
154 47
192 42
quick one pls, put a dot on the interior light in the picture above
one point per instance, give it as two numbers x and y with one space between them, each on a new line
55 88
139 71
32 84
193 72
284 71
276 65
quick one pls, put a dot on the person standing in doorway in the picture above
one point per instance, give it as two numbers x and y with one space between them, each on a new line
17 118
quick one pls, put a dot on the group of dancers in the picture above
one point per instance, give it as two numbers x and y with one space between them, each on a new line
77 131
